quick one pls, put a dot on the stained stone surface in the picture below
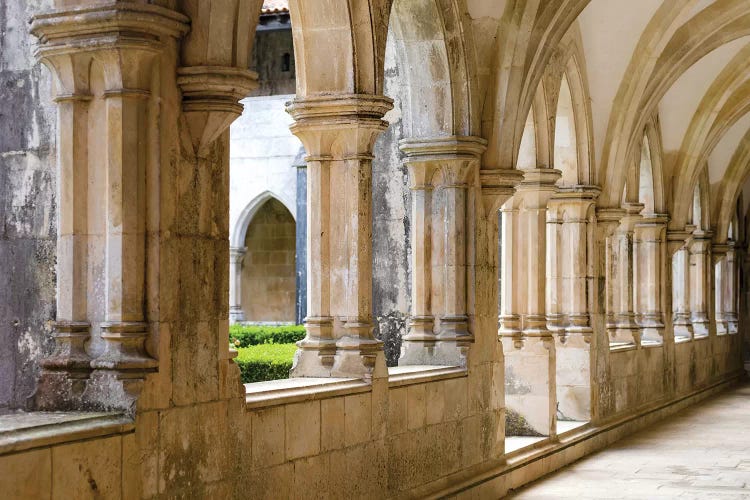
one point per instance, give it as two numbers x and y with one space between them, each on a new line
701 452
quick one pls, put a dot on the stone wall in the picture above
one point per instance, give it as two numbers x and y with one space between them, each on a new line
27 205
268 271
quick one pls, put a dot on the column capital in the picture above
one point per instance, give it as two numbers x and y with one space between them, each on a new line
210 100
236 254
498 185
80 28
537 187
574 203
339 127
651 227
456 157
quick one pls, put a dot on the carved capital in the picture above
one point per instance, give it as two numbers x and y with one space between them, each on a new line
210 101
498 185
339 127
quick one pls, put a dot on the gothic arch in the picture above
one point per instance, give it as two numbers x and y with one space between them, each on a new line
678 46
435 59
728 192
237 236
527 38
726 101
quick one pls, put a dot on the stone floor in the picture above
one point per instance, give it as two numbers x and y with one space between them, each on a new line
701 453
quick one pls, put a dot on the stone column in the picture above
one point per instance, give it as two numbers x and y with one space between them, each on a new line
556 320
626 330
530 392
718 273
607 223
681 324
236 256
101 263
650 254
441 171
573 344
339 133
731 287
72 328
700 259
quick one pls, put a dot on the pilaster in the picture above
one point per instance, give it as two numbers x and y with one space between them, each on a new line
339 133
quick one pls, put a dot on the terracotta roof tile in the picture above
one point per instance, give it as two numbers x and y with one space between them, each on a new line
275 6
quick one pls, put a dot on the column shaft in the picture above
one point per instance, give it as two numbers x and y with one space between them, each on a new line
731 299
700 259
236 256
650 250
339 134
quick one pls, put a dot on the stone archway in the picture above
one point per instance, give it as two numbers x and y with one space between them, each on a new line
268 271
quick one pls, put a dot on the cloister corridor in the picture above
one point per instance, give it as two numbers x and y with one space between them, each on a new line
701 452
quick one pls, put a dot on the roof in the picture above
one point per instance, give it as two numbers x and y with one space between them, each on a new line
275 6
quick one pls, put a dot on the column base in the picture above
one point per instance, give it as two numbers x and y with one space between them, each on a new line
701 326
315 353
652 329
722 328
530 394
683 329
236 315
125 353
626 331
733 326
70 355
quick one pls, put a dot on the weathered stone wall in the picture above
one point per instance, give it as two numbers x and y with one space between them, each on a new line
391 279
27 205
268 273
273 56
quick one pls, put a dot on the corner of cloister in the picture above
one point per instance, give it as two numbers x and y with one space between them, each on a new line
512 232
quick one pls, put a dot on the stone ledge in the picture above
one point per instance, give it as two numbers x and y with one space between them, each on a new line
399 376
294 390
20 431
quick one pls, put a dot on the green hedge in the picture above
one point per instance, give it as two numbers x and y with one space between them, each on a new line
265 361
245 336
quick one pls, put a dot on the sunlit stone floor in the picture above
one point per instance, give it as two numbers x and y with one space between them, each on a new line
702 452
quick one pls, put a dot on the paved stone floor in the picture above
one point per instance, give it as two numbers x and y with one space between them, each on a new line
702 452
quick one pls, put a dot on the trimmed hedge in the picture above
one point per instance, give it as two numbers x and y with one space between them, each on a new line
245 336
265 362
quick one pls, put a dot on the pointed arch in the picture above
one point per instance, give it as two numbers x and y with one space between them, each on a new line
677 47
437 63
239 232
